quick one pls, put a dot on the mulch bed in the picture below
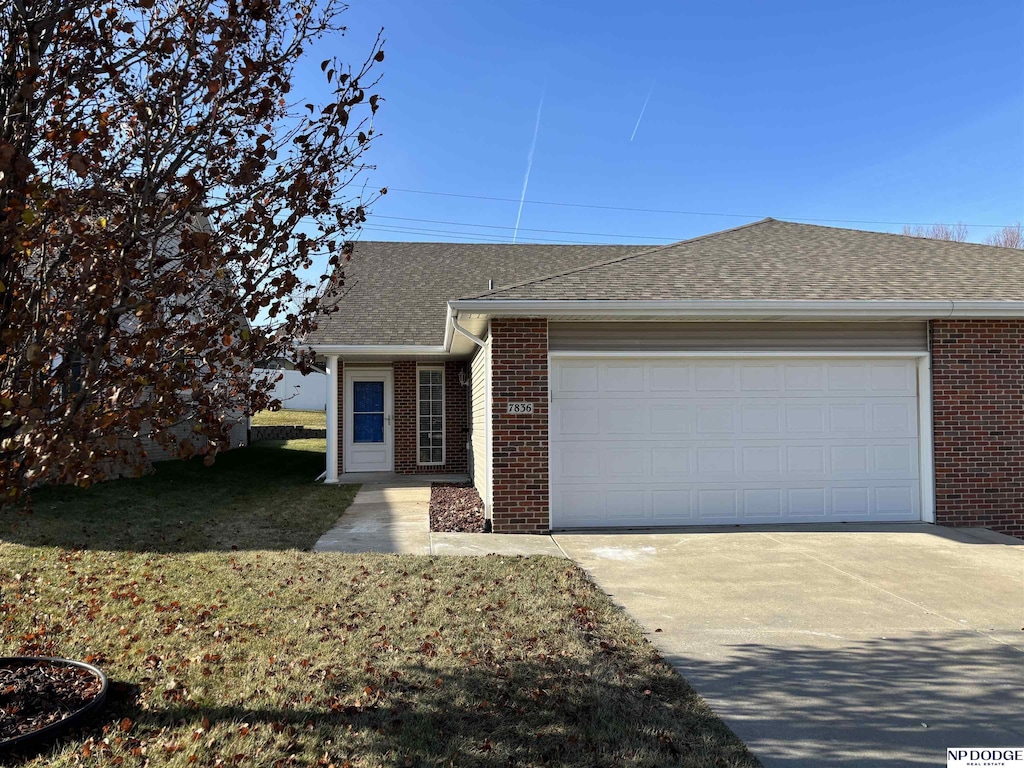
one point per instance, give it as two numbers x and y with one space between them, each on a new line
456 507
35 695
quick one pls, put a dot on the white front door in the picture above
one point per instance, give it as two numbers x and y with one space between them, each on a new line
711 441
369 423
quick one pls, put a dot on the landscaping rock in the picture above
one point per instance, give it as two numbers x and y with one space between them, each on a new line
456 507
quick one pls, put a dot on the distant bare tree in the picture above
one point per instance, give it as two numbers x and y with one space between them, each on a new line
956 233
1008 237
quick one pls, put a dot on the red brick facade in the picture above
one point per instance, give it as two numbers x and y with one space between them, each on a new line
519 373
455 419
405 390
978 416
405 416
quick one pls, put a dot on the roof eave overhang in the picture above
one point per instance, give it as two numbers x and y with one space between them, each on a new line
738 309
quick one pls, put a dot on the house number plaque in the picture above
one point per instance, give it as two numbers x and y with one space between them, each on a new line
520 408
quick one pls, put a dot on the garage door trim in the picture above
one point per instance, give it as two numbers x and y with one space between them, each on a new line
926 471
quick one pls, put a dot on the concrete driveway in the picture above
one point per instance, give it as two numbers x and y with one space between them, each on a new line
838 646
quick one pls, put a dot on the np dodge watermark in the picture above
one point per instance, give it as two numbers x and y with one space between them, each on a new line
985 757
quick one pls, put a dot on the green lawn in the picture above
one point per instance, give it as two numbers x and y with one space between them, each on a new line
313 419
267 655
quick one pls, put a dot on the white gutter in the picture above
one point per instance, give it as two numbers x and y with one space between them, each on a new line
739 308
449 326
374 350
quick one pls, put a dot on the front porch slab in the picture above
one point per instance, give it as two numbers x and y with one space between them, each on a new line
391 514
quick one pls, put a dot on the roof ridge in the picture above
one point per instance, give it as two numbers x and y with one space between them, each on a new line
618 259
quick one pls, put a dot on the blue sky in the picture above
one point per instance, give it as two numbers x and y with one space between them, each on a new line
907 111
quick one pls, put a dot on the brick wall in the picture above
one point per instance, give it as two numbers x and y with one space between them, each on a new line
406 389
978 416
519 373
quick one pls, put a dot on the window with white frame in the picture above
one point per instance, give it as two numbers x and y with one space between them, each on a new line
430 416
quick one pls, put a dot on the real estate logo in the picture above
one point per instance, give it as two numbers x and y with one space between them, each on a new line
985 757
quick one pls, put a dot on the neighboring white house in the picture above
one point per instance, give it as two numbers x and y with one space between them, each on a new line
296 391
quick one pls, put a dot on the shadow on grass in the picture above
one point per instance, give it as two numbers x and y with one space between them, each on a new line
261 497
518 715
894 701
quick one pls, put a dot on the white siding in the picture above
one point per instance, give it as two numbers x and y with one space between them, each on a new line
296 391
480 431
734 337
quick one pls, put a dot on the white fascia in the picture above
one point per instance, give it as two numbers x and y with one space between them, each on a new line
740 308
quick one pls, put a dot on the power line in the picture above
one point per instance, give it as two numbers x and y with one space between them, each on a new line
468 236
680 212
525 229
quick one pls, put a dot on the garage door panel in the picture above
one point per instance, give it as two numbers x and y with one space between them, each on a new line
577 462
760 377
671 418
620 378
762 503
623 463
751 503
716 419
667 442
807 502
672 506
894 500
626 419
757 417
669 378
576 420
670 463
761 461
803 377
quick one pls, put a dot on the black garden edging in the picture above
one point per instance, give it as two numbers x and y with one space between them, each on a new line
59 728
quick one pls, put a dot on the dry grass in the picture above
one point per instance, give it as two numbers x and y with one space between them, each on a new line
262 497
312 419
264 657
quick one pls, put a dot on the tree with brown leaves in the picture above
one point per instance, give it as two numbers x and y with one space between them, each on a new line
162 199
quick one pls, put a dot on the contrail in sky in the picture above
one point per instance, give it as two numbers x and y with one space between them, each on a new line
644 109
529 165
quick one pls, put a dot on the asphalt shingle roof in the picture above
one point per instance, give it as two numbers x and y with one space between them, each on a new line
780 260
396 293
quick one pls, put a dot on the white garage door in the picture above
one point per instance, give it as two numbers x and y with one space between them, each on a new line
708 441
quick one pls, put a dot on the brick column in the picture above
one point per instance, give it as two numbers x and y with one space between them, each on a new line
456 416
405 416
978 417
519 373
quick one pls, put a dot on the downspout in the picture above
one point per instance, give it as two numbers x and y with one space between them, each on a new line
453 316
475 339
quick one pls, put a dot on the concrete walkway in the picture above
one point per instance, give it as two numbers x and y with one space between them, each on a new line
391 514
